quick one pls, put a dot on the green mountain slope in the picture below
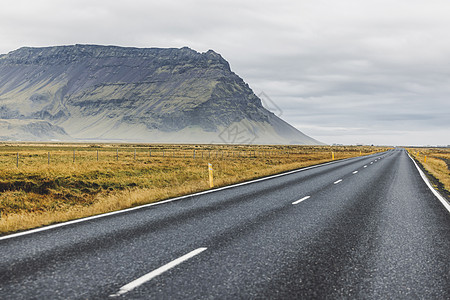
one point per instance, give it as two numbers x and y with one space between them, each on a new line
135 94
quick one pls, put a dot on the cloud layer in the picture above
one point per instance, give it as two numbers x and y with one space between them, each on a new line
350 71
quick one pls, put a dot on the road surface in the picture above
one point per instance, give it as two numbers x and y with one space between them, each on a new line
366 227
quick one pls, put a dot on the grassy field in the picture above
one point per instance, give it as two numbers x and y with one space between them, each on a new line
437 163
41 184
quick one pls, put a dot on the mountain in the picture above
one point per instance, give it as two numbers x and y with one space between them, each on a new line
109 93
30 130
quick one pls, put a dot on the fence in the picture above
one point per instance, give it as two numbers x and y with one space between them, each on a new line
129 154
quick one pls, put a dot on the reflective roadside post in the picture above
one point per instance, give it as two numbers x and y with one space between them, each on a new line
210 170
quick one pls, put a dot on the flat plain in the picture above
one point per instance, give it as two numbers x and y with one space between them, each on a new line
45 183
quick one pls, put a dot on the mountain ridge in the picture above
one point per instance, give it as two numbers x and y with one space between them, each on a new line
141 94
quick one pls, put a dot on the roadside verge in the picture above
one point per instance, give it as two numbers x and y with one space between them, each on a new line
428 178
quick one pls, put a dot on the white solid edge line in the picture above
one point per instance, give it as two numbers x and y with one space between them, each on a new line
443 201
31 231
337 181
149 276
355 172
300 200
161 202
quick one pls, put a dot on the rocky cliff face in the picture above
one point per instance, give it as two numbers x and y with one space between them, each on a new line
132 94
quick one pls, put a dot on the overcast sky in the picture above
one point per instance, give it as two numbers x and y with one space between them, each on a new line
348 71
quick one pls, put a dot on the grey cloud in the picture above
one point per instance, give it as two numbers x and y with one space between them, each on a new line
343 71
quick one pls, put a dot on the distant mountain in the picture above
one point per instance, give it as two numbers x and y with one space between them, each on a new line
109 93
30 130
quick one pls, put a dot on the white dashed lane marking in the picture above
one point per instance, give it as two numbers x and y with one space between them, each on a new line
147 277
300 200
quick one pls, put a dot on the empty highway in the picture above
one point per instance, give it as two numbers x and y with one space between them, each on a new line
367 227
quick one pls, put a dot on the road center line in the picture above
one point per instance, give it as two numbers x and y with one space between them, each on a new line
337 181
300 200
355 172
147 277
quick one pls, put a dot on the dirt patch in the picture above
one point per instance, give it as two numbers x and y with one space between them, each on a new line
27 186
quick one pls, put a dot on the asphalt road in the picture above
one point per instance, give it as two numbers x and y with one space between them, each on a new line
367 227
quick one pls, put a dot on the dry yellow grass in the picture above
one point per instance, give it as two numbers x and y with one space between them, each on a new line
38 193
437 160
